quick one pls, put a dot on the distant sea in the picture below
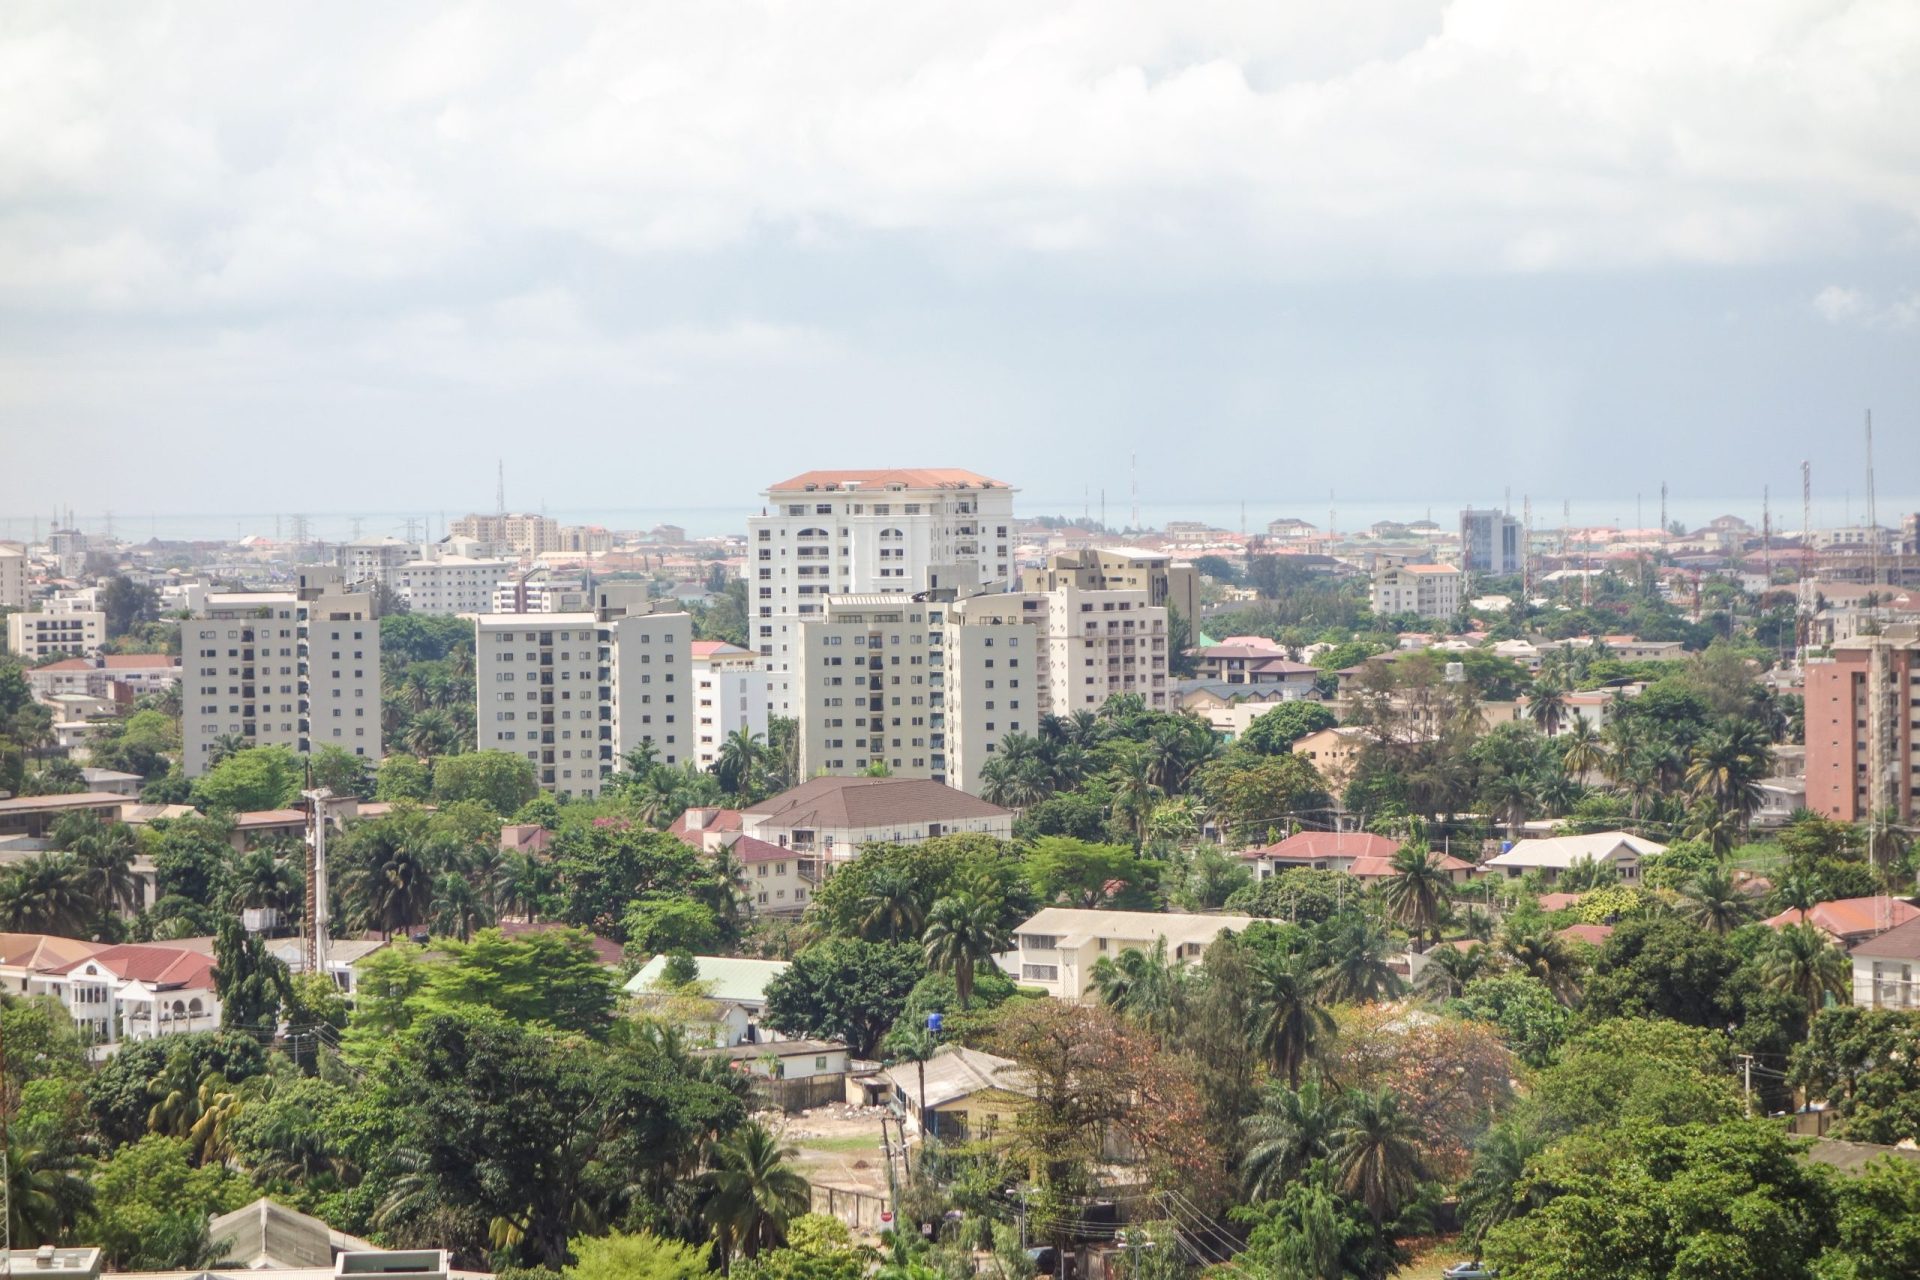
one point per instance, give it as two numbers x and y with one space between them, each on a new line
1252 515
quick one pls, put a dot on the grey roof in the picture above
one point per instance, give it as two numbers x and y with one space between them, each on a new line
953 1073
1902 942
267 1234
1270 691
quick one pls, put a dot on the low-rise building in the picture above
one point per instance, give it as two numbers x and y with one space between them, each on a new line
1251 661
779 880
115 676
1551 857
126 991
720 1008
1057 948
834 816
1849 921
1317 851
35 637
1883 968
968 1093
1334 752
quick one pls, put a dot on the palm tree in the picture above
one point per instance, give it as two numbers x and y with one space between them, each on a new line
1512 795
915 1045
457 907
1544 955
46 893
753 1192
1717 828
395 890
1144 986
218 1105
1450 969
175 1090
964 930
44 1193
523 879
1285 1136
1375 1157
431 733
1490 1196
1134 792
1546 705
226 744
1802 962
105 851
1358 971
1417 890
737 766
891 909
1581 751
1711 900
264 880
1288 1022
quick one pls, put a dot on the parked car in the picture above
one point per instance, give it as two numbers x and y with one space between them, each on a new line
1474 1270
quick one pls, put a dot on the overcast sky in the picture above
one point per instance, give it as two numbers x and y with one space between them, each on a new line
278 257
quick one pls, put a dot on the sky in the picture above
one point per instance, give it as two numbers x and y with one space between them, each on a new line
315 257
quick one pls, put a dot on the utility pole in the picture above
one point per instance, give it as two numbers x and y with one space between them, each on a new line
1746 1061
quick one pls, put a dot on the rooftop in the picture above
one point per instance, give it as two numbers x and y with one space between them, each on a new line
1073 924
893 477
1850 917
1308 846
1562 852
1902 942
953 1073
836 803
720 977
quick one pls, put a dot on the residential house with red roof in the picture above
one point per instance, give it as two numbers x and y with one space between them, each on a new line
1849 921
132 990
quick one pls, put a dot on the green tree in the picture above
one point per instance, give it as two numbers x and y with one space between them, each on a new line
844 990
1804 963
1711 900
1248 794
642 1256
964 931
1497 1190
1355 969
1274 732
47 893
1375 1153
341 772
755 1192
501 780
252 780
251 982
1291 1131
45 1193
402 777
657 924
1417 890
1079 872
151 1206
552 978
1288 1021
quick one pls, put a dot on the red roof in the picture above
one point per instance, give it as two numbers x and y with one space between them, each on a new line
910 477
139 661
708 648
1851 918
721 820
750 850
1558 901
1368 867
153 963
1596 934
1309 846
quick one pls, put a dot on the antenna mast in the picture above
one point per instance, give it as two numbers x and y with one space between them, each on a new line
1526 547
1133 484
500 488
1873 517
1766 532
1663 508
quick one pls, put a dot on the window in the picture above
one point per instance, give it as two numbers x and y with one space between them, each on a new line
1040 972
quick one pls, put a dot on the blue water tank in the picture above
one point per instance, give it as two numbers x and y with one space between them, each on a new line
933 1023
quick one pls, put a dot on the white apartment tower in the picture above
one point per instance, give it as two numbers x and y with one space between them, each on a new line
574 692
298 669
729 693
37 636
931 688
867 533
451 584
13 578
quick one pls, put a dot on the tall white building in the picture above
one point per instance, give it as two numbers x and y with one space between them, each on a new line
451 584
931 688
373 559
523 534
574 692
860 533
730 694
1429 590
538 591
13 578
299 669
34 636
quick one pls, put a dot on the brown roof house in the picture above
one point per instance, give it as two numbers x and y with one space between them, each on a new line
834 816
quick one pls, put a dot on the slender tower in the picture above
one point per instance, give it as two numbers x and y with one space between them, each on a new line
1873 515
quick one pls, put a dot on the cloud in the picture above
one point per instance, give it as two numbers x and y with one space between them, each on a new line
1843 306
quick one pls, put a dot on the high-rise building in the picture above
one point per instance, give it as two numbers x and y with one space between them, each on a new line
867 533
575 692
451 584
372 559
13 578
523 534
298 669
729 695
1429 590
1861 707
1166 581
36 636
1490 542
930 688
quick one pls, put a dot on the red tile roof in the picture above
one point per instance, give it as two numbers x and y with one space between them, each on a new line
1558 901
1596 934
708 648
1851 918
154 963
721 820
911 477
1368 867
749 850
1308 846
139 661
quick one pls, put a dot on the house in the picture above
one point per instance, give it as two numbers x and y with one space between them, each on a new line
1372 870
1334 752
724 1006
1057 949
1254 663
778 879
525 837
1849 921
968 1093
834 816
34 816
1230 708
137 990
1317 851
706 829
344 958
112 782
1883 968
788 1060
1550 857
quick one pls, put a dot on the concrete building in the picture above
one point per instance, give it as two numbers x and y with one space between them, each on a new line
859 533
37 636
1253 660
1883 968
724 1004
13 578
1490 542
298 669
1165 582
369 560
137 673
1550 857
1860 711
126 991
831 818
1057 949
523 534
575 692
1427 590
539 591
451 584
729 695
930 688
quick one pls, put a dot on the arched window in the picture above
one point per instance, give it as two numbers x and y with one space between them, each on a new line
193 1006
813 533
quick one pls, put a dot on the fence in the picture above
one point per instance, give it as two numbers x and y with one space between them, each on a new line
802 1094
858 1209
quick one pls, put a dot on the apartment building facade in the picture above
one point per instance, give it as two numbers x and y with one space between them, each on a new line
1863 726
373 559
861 533
34 637
540 592
931 688
452 584
524 534
299 669
1166 581
1427 590
574 692
13 578
729 695
1490 542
